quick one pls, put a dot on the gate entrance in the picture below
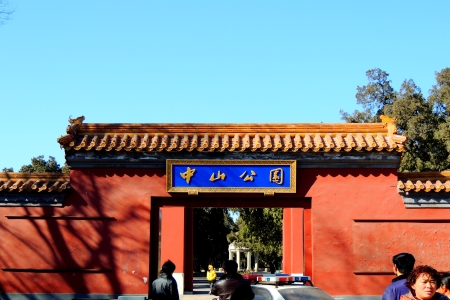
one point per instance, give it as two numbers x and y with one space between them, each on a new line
171 230
348 170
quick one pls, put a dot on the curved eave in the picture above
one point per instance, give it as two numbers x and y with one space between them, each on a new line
424 182
34 182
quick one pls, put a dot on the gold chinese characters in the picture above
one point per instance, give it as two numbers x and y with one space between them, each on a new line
188 174
219 176
275 175
248 177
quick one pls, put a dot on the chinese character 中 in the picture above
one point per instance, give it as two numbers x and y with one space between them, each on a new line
188 174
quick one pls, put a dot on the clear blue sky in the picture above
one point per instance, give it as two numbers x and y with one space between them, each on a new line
202 61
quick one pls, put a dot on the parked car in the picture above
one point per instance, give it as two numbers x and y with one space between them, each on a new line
286 287
289 292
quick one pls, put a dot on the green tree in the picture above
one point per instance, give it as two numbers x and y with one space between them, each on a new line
373 98
65 169
260 229
440 99
7 170
212 225
418 121
40 165
418 118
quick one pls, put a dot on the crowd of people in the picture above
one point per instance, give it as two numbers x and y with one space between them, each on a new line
416 283
229 286
411 283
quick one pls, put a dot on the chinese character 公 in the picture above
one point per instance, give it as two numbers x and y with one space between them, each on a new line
248 177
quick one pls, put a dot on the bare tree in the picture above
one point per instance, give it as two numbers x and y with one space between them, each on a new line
5 11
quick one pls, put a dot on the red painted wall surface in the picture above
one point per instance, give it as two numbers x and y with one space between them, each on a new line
121 245
353 219
172 238
343 251
293 241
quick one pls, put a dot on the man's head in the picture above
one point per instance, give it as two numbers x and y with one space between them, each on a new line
168 267
404 262
230 267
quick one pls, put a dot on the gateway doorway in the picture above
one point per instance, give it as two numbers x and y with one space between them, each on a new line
171 230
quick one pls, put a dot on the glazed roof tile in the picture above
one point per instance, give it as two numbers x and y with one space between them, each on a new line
34 182
232 137
424 182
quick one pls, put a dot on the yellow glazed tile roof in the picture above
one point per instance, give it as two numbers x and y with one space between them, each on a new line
424 182
34 182
232 137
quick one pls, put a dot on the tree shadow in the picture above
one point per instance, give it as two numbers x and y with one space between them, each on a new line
80 248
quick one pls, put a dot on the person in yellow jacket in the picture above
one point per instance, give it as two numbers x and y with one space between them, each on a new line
211 276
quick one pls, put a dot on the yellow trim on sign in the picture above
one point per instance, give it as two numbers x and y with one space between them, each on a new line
195 190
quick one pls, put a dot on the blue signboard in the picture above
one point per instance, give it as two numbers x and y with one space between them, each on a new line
231 176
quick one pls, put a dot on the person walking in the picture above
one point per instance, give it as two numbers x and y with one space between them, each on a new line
165 287
211 276
232 286
403 265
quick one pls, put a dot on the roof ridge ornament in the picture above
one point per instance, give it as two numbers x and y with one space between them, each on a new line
74 125
397 140
390 124
71 130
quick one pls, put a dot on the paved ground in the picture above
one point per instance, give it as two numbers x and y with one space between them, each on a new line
201 289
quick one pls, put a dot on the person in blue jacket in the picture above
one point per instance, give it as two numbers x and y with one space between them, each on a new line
403 265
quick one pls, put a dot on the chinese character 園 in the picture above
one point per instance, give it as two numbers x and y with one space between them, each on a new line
276 175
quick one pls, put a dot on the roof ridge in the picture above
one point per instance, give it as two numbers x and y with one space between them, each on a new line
216 137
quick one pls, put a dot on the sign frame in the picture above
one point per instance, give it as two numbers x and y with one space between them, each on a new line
170 163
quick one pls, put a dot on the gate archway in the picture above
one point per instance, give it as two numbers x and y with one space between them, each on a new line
179 219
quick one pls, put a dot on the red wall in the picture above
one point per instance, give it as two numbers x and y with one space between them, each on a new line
120 245
350 231
172 238
294 241
347 205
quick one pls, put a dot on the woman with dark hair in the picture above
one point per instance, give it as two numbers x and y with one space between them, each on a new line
444 289
422 283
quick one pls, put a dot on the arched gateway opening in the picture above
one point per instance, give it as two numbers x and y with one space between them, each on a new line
173 217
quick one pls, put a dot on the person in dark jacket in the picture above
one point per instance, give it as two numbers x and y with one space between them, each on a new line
232 286
403 265
165 287
445 285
